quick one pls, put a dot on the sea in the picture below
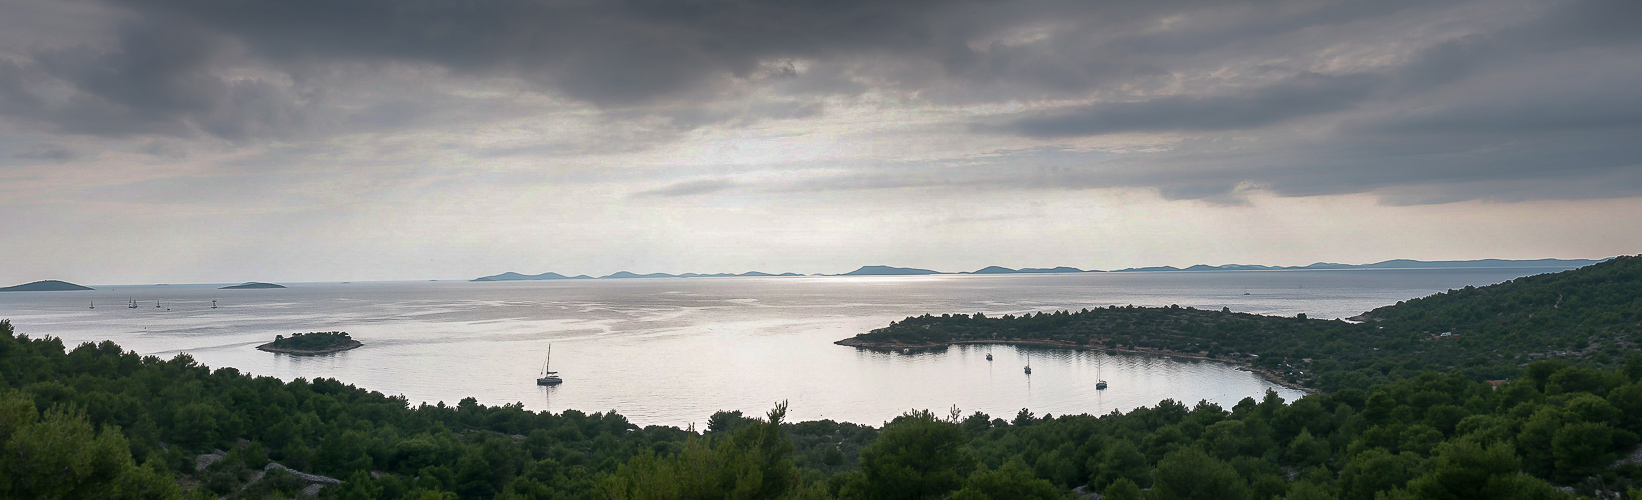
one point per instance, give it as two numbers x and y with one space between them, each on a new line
672 351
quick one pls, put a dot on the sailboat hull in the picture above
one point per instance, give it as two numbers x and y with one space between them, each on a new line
553 380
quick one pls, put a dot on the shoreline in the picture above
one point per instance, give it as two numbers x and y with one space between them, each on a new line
1240 365
269 347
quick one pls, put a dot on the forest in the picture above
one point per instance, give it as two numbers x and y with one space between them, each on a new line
1541 399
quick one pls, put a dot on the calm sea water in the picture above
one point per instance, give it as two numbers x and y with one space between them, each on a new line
673 351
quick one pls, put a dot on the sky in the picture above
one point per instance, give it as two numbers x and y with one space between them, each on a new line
201 141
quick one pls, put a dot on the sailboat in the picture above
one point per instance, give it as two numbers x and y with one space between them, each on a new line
1100 383
93 304
132 305
989 356
549 377
1028 364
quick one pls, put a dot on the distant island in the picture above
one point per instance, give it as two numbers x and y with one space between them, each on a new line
46 286
251 285
1389 264
1028 270
512 276
1549 264
312 343
889 271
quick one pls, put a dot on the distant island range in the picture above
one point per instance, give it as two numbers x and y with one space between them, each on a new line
1559 264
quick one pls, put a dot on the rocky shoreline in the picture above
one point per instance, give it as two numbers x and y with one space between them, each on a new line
1241 365
269 347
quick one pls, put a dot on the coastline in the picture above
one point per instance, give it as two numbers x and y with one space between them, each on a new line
269 347
1240 365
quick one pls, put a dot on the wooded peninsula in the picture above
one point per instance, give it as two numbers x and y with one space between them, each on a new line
1535 392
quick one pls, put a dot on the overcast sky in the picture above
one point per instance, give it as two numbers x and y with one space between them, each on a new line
305 140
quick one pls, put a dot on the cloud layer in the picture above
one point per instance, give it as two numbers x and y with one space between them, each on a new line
364 104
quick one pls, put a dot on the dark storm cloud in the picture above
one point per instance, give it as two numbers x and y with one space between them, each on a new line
165 73
604 52
1433 99
159 81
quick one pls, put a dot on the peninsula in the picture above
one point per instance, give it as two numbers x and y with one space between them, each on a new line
46 286
251 285
310 344
1486 332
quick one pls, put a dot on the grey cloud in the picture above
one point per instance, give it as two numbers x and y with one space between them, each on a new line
618 54
689 188
46 152
1303 95
1434 98
159 81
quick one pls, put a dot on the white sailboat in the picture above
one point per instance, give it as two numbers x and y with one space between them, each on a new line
549 377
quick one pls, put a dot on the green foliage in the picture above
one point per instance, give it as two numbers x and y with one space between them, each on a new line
752 462
312 341
916 456
59 454
1123 489
1464 470
1011 481
1190 474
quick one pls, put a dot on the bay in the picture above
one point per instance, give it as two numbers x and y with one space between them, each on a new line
671 351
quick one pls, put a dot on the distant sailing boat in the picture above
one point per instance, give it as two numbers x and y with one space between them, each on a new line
93 304
1100 383
1028 364
213 304
989 356
132 305
549 377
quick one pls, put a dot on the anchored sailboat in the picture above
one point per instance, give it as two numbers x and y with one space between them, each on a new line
1028 364
549 377
1100 383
